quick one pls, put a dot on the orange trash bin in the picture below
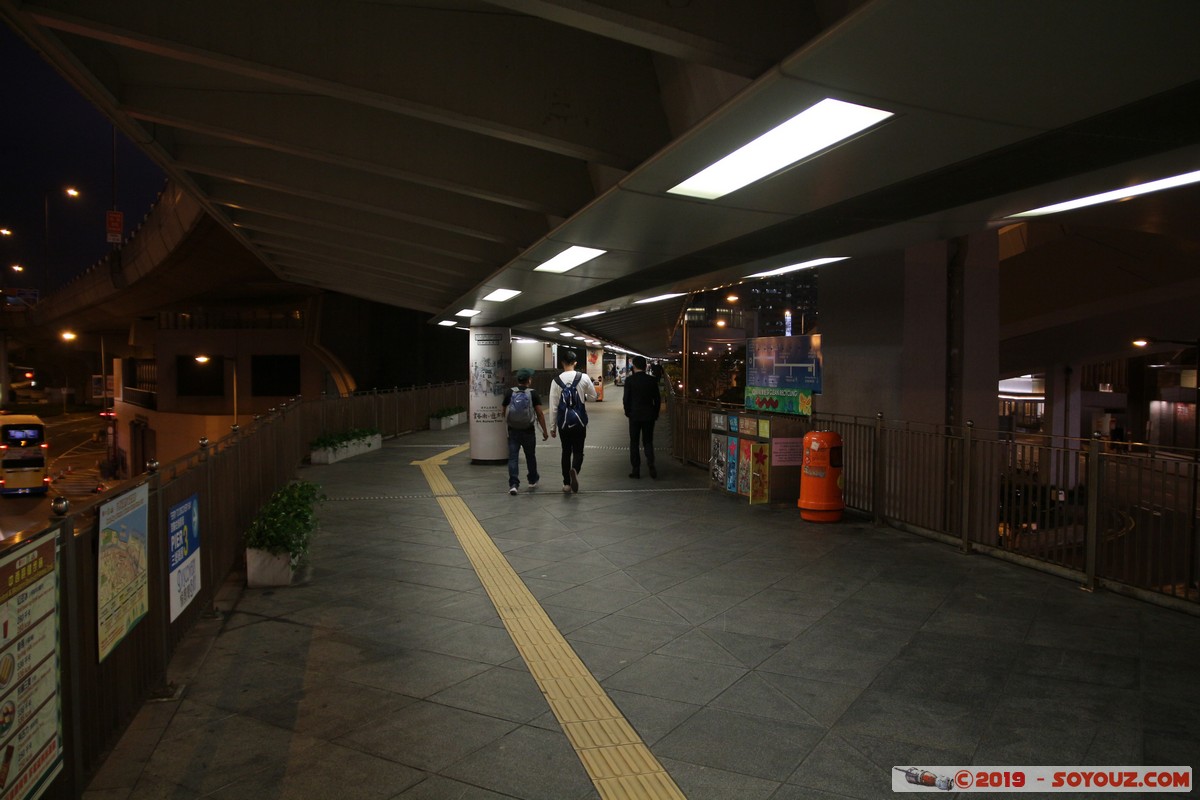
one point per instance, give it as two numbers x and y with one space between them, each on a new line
821 478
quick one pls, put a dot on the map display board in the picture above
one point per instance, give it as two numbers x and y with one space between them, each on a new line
183 539
122 586
31 742
783 373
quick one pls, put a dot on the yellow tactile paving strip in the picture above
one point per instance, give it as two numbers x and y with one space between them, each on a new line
618 761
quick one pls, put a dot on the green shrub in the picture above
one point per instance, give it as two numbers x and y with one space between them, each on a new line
286 523
450 411
333 441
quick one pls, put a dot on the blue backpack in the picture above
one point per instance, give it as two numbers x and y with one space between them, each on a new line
571 410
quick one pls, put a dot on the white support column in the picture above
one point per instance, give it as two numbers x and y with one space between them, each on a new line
490 355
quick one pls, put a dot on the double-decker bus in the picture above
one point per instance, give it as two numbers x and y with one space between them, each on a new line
23 446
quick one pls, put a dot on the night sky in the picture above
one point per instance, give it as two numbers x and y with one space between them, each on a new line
51 137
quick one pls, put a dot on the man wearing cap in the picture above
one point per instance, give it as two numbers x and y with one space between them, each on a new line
520 416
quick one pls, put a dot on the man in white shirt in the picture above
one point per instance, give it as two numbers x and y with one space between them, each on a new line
569 422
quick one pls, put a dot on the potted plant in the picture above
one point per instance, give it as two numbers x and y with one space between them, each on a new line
447 418
277 540
332 447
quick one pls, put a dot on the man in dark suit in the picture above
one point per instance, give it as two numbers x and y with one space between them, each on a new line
641 406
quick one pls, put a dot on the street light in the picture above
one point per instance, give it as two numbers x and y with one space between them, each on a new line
1191 565
68 191
204 359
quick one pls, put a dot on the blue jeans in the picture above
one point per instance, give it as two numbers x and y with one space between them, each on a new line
518 441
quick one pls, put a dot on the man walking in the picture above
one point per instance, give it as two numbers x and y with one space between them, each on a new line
568 396
642 400
522 407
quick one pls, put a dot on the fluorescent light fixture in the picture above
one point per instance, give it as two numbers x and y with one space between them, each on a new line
1115 194
660 297
577 336
550 328
500 295
467 312
812 130
569 259
447 323
587 314
816 262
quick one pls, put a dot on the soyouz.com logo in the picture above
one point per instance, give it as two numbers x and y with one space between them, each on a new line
1015 780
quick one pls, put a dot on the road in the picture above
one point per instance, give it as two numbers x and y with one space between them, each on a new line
76 448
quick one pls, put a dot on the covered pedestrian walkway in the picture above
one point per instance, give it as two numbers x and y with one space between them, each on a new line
652 637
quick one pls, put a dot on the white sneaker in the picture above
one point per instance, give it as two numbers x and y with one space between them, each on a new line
566 488
533 485
512 490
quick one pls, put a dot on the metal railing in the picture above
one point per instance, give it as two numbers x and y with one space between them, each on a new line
1126 519
230 480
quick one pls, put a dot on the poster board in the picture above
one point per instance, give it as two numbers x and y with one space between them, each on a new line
122 586
783 373
31 735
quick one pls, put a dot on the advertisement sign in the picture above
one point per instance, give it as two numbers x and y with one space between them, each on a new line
183 541
491 373
760 473
31 746
783 373
122 588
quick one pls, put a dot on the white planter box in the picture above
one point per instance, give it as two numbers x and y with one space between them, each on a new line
441 423
265 569
330 455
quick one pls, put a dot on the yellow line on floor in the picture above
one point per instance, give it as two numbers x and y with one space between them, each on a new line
617 760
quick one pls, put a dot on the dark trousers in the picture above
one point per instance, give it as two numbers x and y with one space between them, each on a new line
572 450
643 430
518 441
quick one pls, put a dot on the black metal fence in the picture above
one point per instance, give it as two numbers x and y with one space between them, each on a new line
230 480
1120 515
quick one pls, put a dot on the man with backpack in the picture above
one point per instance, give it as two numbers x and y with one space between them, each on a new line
568 395
522 407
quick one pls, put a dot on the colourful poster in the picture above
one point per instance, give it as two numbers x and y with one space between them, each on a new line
31 740
122 588
718 421
733 423
764 428
783 401
731 463
744 446
717 460
749 426
760 473
183 541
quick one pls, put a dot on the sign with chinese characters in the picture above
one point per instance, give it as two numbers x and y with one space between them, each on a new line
183 542
121 586
31 746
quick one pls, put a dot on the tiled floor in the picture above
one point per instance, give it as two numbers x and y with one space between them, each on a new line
756 655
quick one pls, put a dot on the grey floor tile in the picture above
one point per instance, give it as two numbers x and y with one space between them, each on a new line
427 736
769 749
918 721
628 633
593 598
436 787
652 717
510 694
832 664
859 766
783 697
674 679
416 673
330 709
321 774
698 782
1079 665
529 763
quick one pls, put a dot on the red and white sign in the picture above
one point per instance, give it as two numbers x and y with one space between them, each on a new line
114 223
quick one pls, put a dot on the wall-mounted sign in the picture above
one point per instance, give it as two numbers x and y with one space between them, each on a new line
783 373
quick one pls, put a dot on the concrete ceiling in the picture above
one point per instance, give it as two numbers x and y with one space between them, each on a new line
422 154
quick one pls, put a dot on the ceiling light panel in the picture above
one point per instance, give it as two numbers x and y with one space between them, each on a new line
467 312
816 128
659 297
500 295
1114 195
816 262
569 259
